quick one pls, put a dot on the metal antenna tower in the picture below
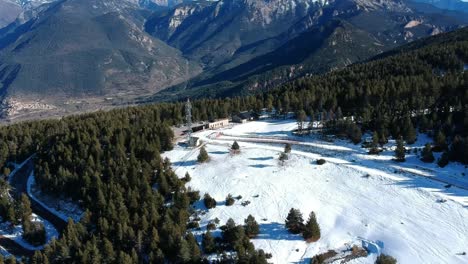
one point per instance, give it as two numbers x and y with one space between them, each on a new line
188 118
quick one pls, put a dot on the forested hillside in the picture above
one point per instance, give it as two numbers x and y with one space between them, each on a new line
137 210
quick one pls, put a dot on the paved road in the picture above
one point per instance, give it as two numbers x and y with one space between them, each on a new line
19 184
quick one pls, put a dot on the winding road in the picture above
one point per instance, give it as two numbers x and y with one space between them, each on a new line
19 183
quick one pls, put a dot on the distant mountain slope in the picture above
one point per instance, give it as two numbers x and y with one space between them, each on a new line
331 35
85 49
82 55
217 32
8 12
454 5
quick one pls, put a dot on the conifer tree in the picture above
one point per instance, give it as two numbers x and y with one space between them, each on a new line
374 149
294 221
229 200
194 248
354 133
208 243
287 148
283 157
235 148
440 141
409 131
427 155
385 259
183 251
311 231
25 208
400 151
203 155
187 177
209 201
383 139
251 227
301 119
232 233
443 160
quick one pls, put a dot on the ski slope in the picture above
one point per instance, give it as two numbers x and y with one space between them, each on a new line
358 198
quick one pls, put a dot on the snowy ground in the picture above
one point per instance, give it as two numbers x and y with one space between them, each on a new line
393 209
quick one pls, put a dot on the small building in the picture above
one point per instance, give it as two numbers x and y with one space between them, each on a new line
218 123
198 127
242 117
194 141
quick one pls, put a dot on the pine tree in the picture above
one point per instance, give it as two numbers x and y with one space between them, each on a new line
287 148
283 157
427 155
440 141
232 233
383 139
354 133
235 148
311 231
209 201
251 227
194 248
385 259
183 251
294 221
208 243
301 119
374 149
400 151
443 160
409 131
229 200
25 208
203 155
187 177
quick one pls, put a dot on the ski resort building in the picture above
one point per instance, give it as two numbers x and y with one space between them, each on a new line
218 123
242 117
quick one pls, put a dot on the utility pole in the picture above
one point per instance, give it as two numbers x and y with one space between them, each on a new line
188 119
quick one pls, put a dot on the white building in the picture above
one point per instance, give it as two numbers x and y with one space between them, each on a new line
218 123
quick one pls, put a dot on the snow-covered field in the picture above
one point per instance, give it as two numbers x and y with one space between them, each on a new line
358 198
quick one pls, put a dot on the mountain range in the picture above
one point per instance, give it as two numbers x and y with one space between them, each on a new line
80 55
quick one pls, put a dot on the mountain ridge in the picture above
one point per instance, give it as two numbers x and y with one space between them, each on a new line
73 56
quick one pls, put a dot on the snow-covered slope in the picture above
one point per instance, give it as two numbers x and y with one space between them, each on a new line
358 199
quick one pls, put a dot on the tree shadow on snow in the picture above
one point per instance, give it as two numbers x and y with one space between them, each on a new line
261 158
218 152
302 261
276 231
260 166
186 163
418 182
